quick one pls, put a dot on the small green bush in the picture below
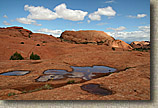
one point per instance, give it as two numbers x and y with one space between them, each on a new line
22 42
113 48
30 35
11 94
47 86
34 57
71 82
44 42
38 45
16 56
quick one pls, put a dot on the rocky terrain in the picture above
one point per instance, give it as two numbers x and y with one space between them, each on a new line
131 81
140 44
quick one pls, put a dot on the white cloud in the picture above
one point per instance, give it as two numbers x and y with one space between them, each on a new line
138 16
144 28
5 16
142 34
110 1
107 11
6 23
68 14
141 15
25 20
94 16
121 28
55 33
61 11
36 24
40 13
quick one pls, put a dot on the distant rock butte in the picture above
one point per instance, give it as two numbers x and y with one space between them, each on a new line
93 37
140 44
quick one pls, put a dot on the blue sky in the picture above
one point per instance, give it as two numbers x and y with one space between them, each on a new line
128 20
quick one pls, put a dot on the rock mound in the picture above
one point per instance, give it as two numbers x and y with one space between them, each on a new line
84 36
93 37
140 44
118 44
24 33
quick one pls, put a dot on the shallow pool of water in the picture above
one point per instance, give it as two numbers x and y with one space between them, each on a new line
15 73
86 73
96 89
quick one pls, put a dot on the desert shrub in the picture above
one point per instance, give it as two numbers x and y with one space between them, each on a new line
100 43
38 45
142 49
44 42
34 57
24 91
71 82
84 42
47 86
11 94
30 35
113 48
22 42
16 56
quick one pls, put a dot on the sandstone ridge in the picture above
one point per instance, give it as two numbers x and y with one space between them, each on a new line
93 37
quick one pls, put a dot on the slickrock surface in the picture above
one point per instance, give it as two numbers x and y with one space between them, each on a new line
130 82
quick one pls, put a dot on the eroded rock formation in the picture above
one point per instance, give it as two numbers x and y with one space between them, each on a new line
140 44
93 37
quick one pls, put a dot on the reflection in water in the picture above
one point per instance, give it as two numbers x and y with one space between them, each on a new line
85 73
15 73
96 89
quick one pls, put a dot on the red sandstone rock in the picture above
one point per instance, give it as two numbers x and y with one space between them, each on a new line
140 44
93 37
85 36
132 82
